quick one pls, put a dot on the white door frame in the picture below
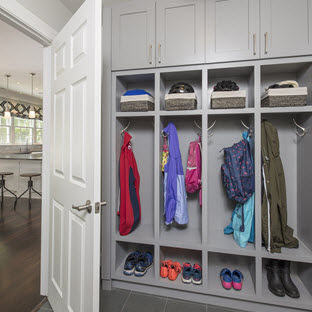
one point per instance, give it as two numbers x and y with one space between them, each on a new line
20 18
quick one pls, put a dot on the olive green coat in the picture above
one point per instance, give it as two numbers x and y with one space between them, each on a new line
281 235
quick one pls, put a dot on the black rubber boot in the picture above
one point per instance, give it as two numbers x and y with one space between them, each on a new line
275 284
290 288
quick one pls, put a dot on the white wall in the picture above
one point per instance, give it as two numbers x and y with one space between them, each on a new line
52 12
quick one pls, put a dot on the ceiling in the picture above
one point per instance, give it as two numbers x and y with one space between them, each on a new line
73 5
20 56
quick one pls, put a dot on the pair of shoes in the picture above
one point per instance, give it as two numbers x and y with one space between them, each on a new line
192 274
138 263
231 279
279 280
170 269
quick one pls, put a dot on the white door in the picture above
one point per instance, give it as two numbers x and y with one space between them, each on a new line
180 32
232 30
74 247
286 27
133 40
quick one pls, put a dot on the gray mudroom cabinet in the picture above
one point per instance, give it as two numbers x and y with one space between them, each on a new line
203 239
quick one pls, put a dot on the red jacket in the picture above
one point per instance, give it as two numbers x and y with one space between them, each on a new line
130 206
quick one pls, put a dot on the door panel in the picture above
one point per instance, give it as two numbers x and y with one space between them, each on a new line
75 158
180 32
232 30
286 28
133 40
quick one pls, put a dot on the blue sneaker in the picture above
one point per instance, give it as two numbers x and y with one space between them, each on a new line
130 263
197 274
145 261
187 273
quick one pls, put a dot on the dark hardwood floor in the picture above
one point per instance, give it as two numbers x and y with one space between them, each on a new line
20 233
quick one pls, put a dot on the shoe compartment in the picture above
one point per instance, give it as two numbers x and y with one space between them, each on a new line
296 154
123 250
246 265
301 275
142 131
227 131
180 255
192 232
192 77
126 83
243 76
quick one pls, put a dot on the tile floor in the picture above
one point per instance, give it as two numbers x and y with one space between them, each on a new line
119 300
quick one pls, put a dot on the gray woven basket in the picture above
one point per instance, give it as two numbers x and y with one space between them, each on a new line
180 104
284 100
137 106
228 102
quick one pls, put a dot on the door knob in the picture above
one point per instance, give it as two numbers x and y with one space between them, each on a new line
87 207
98 205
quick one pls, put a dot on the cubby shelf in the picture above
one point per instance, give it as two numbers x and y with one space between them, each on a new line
203 240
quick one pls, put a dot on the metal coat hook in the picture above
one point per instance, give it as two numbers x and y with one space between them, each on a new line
304 130
209 128
163 134
123 131
248 128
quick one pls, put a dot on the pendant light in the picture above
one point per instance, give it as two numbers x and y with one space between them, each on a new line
32 113
7 112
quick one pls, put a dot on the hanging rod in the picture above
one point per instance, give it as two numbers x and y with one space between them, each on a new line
304 130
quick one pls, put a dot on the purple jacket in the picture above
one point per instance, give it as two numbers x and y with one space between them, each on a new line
174 188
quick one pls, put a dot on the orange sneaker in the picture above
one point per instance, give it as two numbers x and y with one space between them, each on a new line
164 270
174 271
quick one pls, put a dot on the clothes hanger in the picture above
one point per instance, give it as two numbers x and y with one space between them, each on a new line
304 130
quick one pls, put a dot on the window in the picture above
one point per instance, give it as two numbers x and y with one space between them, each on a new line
38 133
5 130
20 131
23 130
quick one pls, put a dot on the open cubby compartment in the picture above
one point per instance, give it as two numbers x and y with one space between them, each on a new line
123 250
301 274
227 131
245 264
296 154
192 77
300 72
125 83
142 131
243 76
190 233
180 255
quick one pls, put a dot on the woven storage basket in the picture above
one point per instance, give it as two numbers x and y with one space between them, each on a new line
228 99
139 103
285 97
184 101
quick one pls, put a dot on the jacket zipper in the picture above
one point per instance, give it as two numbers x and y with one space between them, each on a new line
269 208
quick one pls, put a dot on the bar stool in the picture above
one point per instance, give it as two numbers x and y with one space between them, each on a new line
30 187
2 186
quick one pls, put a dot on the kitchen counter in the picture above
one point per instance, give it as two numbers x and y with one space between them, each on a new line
22 156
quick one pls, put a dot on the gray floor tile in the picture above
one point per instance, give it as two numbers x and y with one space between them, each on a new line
47 306
142 302
218 309
113 301
184 306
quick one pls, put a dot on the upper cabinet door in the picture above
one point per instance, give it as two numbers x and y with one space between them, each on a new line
286 27
232 30
133 35
180 32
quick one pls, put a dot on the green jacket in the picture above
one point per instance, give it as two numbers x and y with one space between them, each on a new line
275 231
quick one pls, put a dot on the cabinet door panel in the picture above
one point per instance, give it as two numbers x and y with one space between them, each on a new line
286 27
232 29
180 32
133 29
